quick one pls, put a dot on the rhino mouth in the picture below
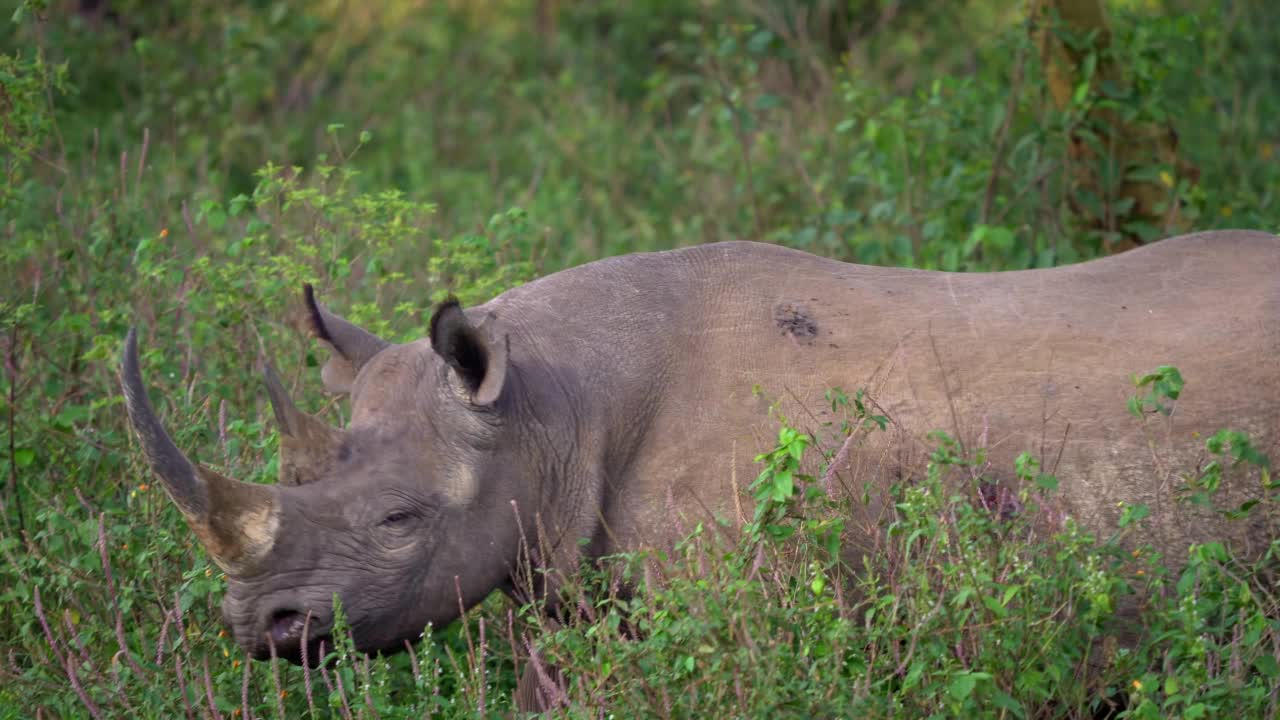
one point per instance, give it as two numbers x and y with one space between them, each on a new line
291 632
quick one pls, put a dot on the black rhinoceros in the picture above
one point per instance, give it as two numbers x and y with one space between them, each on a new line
579 413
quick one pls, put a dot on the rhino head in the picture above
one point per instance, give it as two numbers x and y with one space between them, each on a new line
406 514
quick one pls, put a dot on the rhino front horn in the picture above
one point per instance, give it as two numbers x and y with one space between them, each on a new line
235 521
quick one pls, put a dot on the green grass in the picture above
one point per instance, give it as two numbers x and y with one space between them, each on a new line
186 167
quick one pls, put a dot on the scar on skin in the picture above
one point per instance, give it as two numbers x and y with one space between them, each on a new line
793 319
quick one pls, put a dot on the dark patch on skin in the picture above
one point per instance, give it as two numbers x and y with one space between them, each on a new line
998 499
793 319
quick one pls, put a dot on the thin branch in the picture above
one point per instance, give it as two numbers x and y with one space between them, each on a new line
1002 137
744 144
115 601
11 368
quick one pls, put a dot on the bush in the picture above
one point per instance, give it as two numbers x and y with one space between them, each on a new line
964 610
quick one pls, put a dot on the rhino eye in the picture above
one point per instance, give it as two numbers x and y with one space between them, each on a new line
397 517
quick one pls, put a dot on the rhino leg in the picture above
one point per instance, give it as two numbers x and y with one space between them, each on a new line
540 688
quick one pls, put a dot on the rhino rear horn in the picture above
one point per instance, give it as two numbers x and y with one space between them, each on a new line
351 346
235 521
308 445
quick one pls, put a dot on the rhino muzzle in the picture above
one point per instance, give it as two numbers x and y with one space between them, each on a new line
236 522
295 637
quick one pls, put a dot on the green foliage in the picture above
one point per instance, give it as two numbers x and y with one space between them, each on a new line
476 267
111 606
1229 449
23 87
185 167
777 486
963 610
857 416
1209 636
1232 449
1165 384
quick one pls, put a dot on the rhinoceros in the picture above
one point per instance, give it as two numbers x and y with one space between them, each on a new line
585 412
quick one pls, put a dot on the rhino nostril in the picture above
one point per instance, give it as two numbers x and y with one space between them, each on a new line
286 627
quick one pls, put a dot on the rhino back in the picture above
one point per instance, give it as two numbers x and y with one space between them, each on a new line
681 355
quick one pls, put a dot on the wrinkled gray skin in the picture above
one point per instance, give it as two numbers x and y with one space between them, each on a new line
614 402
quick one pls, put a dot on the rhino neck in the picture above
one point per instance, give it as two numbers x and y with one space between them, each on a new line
595 351
580 426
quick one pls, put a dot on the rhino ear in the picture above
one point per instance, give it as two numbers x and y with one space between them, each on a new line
476 355
350 346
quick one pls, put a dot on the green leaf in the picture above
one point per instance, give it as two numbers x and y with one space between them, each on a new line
767 101
780 532
913 676
994 606
1267 665
1047 482
23 457
214 216
759 42
1008 702
1135 406
1132 514
962 686
1082 92
1089 65
818 585
783 485
1243 510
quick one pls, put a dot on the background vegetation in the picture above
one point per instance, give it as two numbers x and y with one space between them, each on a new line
185 166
